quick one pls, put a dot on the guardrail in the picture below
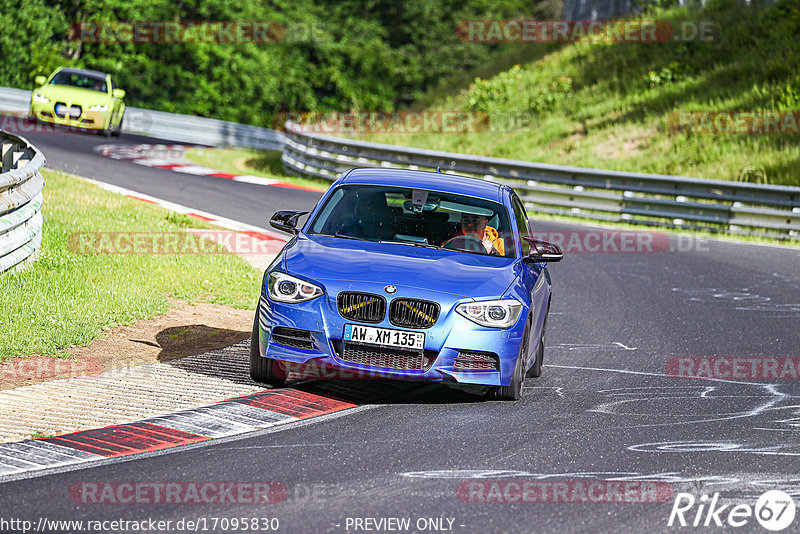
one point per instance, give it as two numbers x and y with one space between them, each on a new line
170 126
21 200
637 198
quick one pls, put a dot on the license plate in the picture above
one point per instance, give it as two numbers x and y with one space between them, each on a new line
60 109
384 336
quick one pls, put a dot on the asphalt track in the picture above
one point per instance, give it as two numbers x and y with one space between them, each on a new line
605 409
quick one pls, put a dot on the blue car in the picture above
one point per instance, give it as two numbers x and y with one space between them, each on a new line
407 275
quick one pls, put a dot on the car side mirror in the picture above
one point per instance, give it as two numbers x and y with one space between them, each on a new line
118 93
40 80
286 221
542 251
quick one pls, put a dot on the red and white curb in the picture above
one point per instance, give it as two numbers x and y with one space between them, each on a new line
171 158
234 416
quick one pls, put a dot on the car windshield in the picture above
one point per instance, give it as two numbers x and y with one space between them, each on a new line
416 217
76 79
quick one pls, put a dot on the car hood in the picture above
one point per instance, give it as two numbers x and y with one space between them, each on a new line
444 271
74 95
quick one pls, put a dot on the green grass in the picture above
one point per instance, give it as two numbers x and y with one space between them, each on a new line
65 298
254 162
606 105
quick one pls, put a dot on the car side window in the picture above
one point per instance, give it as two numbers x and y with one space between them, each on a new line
522 224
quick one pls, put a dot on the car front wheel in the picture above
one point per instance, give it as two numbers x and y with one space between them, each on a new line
513 391
116 132
536 369
262 369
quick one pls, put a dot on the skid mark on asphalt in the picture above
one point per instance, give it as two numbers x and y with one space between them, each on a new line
684 447
766 408
744 299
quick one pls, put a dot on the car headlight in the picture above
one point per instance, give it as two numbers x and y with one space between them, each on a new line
40 98
492 313
101 107
285 288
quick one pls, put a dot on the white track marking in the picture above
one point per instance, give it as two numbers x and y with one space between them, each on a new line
258 180
191 169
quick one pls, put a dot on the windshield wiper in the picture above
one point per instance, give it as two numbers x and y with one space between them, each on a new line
412 243
343 236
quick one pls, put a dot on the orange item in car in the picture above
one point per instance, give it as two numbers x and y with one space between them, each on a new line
493 235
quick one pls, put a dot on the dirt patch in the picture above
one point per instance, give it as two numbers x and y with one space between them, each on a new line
621 145
183 331
241 164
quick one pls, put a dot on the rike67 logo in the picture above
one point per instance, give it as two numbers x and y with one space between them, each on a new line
774 510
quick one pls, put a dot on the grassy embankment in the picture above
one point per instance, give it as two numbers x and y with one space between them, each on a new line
67 298
606 104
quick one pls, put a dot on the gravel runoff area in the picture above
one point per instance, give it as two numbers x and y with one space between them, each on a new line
124 395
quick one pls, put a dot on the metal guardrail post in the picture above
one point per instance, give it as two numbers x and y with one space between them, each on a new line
21 199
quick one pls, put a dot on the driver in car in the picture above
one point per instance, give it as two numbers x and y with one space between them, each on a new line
474 229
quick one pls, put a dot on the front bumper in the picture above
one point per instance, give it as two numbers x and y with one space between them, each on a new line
89 120
451 334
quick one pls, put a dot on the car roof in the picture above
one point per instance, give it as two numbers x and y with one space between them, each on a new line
448 183
88 72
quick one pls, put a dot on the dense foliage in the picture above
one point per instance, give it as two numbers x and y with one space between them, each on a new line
335 55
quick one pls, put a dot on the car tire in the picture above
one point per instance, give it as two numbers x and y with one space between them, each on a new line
262 369
513 391
116 132
536 369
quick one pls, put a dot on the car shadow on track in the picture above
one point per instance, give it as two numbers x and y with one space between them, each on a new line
231 363
381 391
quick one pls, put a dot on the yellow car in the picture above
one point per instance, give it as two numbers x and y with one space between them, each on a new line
79 98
